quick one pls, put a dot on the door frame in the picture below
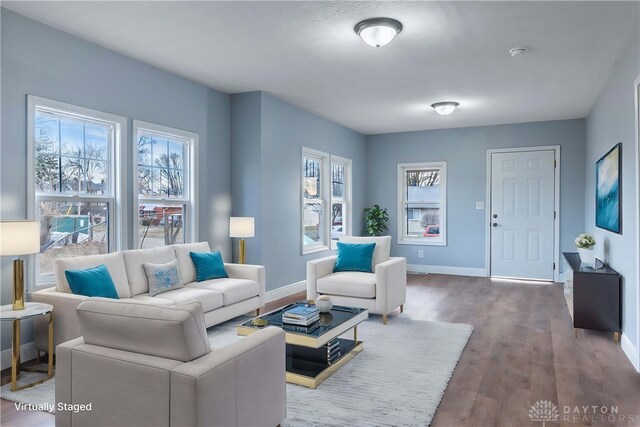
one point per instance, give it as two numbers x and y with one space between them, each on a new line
636 90
556 221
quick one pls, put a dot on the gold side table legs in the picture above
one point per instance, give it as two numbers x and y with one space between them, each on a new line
15 358
15 355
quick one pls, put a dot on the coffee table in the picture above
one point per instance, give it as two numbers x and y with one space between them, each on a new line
307 363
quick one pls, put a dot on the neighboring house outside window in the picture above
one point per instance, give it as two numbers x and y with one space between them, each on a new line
422 203
74 157
340 198
165 176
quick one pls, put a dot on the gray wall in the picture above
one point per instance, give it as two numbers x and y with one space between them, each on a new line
39 60
611 121
465 151
285 129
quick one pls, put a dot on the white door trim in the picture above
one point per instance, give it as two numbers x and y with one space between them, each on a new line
636 85
556 221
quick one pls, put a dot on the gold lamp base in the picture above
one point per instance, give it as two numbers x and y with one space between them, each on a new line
241 250
18 284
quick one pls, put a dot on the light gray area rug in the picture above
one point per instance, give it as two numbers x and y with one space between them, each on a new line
398 380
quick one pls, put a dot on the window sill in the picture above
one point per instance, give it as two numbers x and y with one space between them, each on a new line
422 243
315 250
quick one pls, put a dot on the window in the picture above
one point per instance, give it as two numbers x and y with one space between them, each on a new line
314 206
326 200
422 203
340 198
164 172
75 158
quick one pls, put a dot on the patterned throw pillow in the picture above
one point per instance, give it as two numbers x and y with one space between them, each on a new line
162 277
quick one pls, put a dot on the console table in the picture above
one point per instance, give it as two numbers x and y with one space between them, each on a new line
593 296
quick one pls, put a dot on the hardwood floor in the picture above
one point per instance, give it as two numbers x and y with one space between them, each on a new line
522 350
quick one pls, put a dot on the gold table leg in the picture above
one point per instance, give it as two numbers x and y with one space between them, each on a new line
355 333
50 367
15 355
616 336
15 367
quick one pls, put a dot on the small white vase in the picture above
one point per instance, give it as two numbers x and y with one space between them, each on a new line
588 256
324 304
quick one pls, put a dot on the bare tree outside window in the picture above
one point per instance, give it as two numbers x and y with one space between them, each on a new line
161 178
72 162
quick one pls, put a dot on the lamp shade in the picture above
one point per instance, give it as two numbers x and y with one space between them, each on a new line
19 237
242 226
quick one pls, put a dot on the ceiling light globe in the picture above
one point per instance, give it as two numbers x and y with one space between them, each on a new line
378 32
445 108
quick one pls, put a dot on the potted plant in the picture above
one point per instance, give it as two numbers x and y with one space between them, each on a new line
586 248
375 220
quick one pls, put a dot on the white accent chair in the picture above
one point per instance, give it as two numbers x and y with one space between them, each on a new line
139 364
380 292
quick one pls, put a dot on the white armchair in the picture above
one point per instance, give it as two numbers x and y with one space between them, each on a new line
140 364
380 292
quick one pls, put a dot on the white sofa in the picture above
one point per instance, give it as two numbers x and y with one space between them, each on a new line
163 372
221 299
380 292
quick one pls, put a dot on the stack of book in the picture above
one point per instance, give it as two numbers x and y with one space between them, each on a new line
333 350
301 316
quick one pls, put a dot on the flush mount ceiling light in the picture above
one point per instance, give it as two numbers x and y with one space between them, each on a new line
517 51
445 108
377 32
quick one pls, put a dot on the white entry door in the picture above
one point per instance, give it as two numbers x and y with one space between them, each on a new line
522 214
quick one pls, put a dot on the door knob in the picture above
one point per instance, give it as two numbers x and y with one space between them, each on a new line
495 224
495 215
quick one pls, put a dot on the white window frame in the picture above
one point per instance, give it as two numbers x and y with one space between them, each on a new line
402 202
346 201
324 200
191 183
117 200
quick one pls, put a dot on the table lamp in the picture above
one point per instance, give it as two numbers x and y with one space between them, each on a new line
242 226
19 238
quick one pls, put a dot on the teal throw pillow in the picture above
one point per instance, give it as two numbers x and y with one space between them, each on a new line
93 282
208 265
162 277
354 257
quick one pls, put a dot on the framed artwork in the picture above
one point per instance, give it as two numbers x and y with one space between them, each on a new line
608 190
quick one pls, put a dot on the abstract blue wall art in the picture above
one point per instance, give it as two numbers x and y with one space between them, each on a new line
608 191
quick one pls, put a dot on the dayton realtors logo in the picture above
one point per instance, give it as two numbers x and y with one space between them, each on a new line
544 411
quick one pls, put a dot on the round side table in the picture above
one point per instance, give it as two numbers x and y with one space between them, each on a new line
31 309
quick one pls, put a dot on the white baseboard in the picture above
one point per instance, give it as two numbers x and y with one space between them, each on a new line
630 351
286 291
27 352
443 269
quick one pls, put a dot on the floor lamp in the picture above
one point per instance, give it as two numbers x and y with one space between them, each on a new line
242 226
19 238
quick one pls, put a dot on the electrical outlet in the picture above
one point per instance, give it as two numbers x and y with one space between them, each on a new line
479 205
420 253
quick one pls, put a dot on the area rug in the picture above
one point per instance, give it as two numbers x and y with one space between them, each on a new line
398 380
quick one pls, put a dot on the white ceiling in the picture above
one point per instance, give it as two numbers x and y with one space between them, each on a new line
308 54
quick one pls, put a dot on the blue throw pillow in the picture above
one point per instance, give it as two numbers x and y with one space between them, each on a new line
162 277
93 282
208 265
354 257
